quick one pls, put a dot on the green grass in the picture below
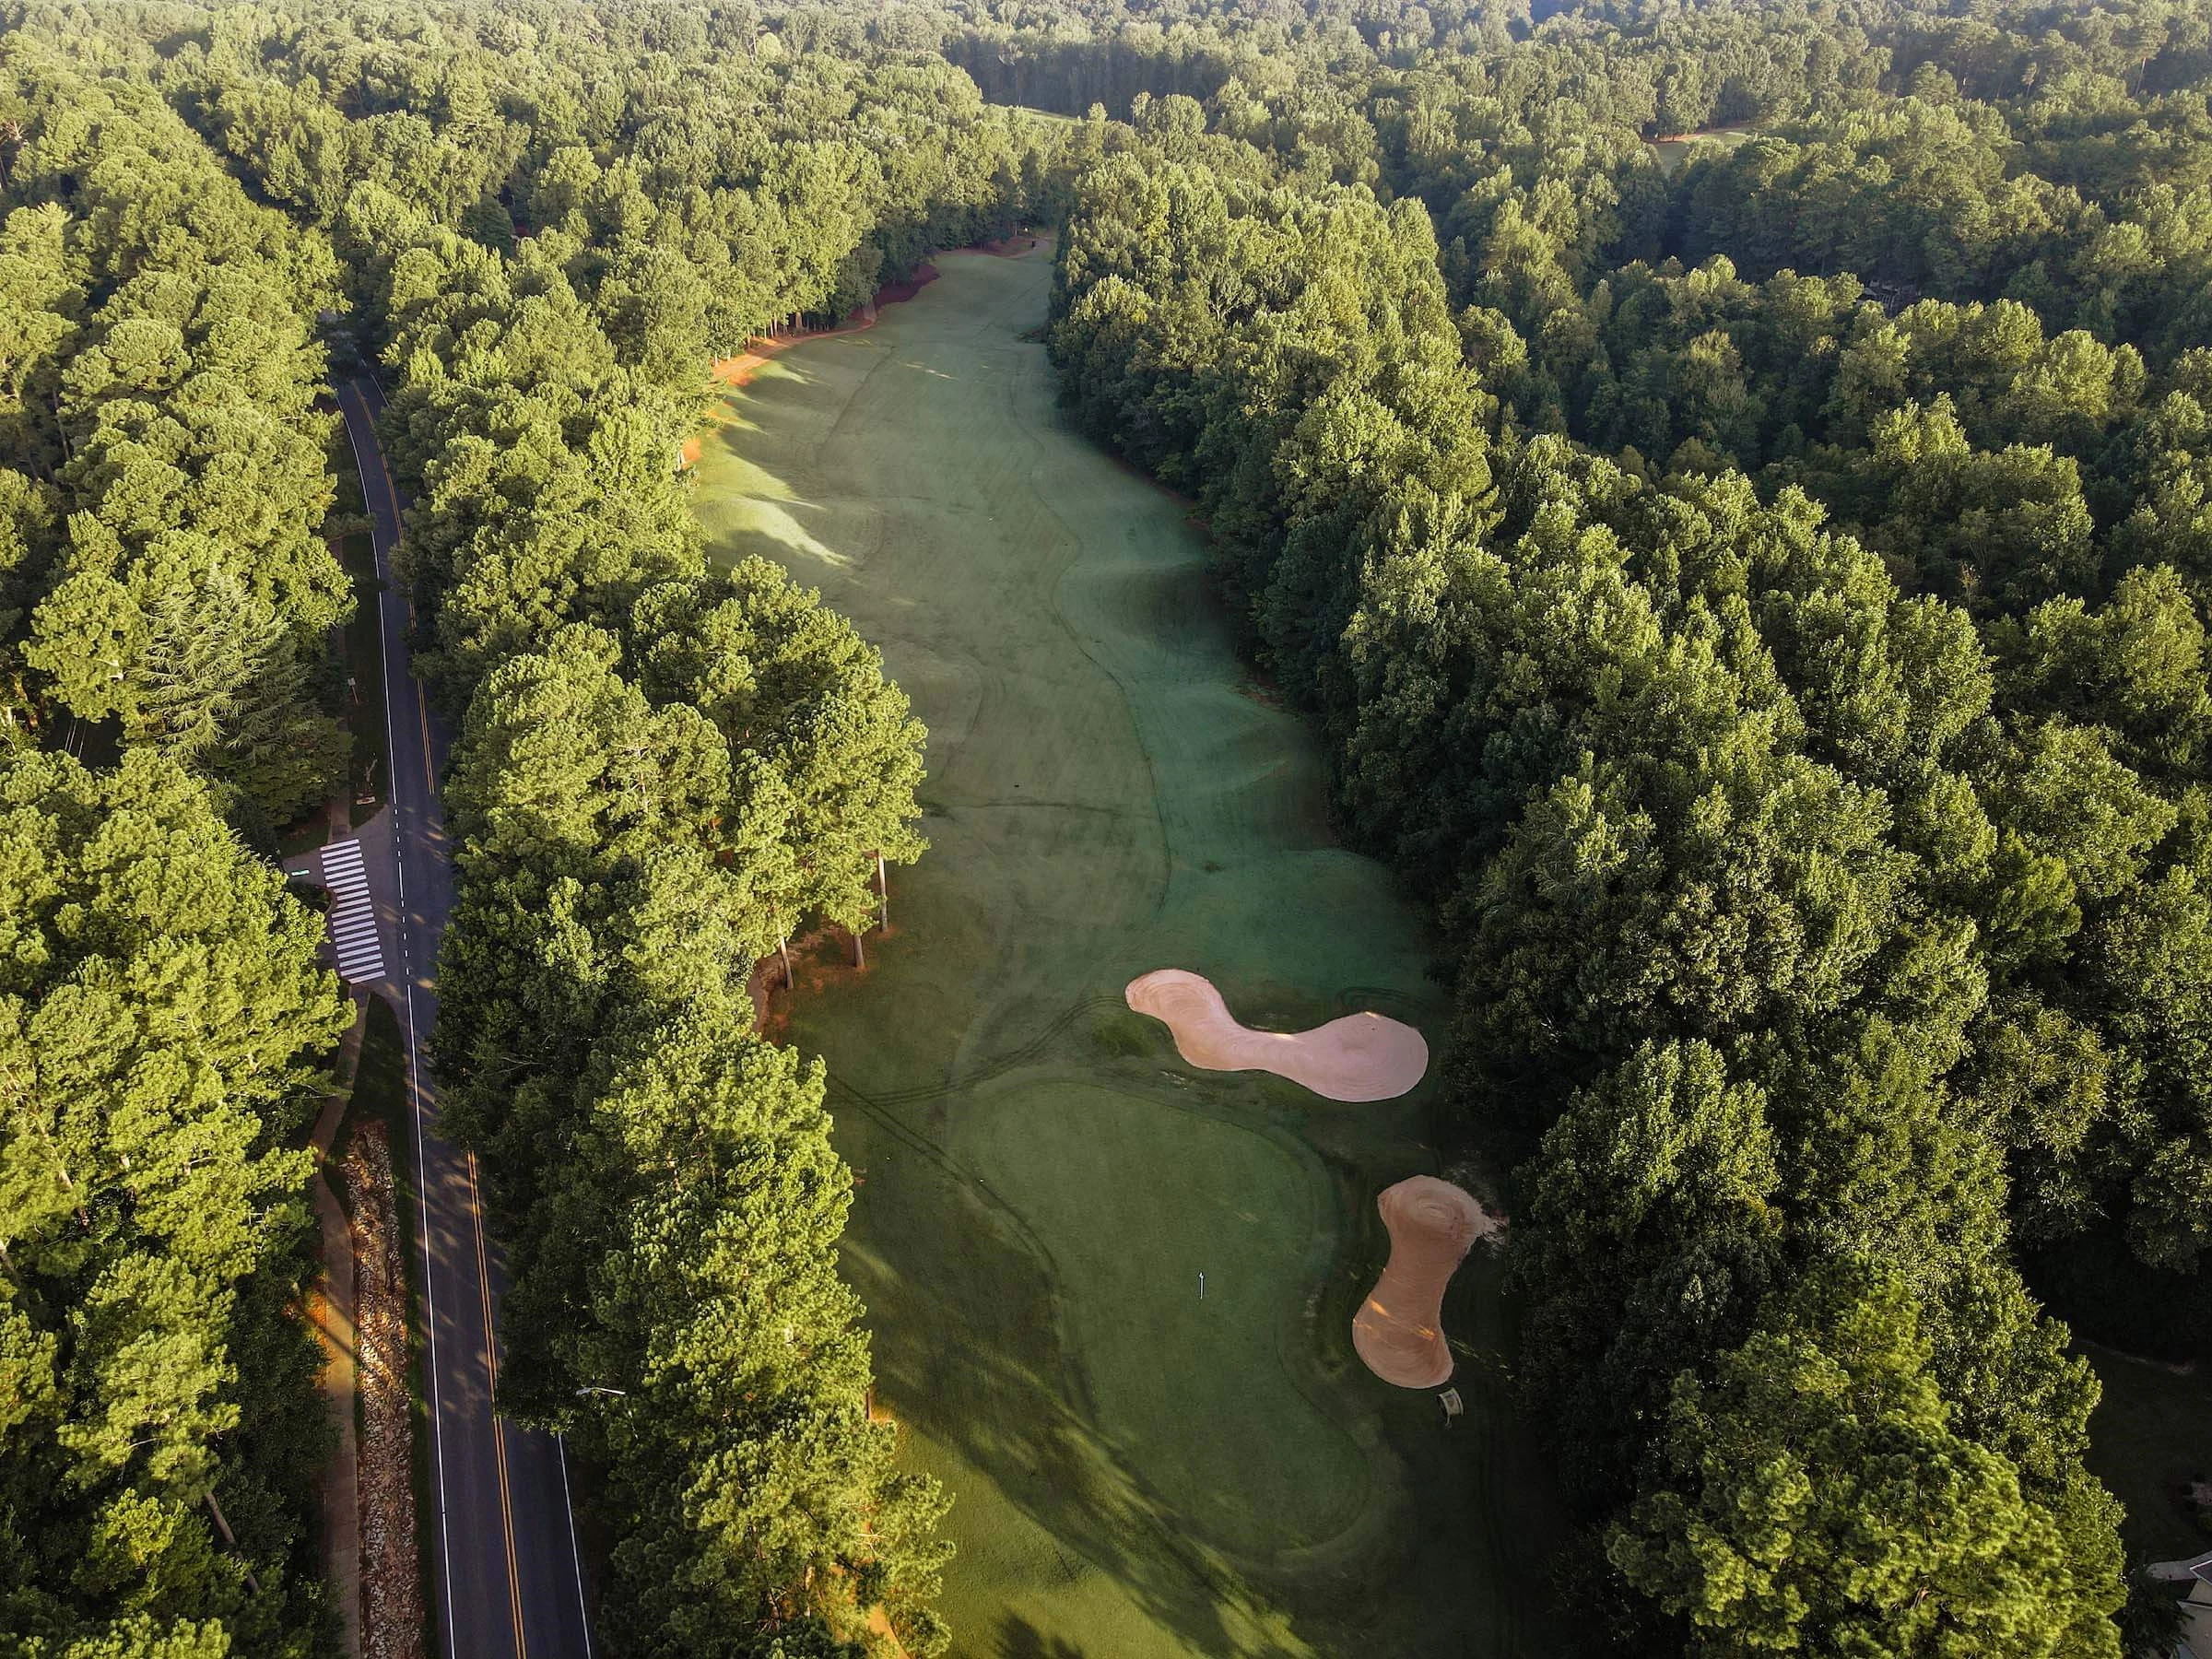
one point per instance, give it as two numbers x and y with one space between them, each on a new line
1674 153
2152 1434
1135 1473
379 1084
367 773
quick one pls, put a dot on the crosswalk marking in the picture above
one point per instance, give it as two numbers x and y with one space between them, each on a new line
352 918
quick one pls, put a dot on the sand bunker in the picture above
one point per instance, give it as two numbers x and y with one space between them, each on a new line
1398 1330
1360 1057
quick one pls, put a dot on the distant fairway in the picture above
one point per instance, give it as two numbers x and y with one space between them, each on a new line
1135 1472
1676 151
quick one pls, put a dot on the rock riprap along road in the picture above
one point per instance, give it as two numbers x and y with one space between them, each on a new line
1135 1471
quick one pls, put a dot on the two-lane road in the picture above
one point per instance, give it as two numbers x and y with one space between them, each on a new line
509 1577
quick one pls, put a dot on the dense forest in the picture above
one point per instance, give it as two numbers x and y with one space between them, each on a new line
1762 607
540 237
1758 602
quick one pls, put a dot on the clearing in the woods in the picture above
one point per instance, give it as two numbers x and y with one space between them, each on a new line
1138 1469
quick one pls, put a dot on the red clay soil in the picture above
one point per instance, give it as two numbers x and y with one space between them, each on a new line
1400 1330
738 371
820 959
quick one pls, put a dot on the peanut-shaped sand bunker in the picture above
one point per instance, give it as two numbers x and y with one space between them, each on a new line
1398 1330
1359 1057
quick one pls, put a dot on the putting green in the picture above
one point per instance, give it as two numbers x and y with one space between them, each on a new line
1136 1472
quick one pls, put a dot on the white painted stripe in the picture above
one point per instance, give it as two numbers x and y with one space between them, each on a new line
355 939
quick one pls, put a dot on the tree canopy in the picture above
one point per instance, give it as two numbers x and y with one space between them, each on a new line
1732 487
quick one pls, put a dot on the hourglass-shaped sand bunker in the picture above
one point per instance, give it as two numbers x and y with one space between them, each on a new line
1398 1330
1359 1057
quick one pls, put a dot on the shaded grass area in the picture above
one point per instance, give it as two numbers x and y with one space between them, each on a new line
2150 1438
379 1084
1135 1472
368 769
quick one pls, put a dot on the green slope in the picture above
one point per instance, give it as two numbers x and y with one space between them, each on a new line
1135 1473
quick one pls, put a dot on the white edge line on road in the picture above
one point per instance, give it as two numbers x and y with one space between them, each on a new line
422 1195
407 982
575 1550
583 1612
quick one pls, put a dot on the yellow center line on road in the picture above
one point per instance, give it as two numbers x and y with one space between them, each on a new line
476 1204
499 1435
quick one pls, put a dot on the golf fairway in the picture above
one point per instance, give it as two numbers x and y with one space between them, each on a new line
1135 1471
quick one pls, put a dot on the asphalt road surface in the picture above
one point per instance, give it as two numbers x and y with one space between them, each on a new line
506 1572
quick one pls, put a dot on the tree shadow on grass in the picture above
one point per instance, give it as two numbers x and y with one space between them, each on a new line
967 1347
1018 1638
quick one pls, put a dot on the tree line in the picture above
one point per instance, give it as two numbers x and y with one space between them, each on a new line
162 572
663 770
546 222
165 604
